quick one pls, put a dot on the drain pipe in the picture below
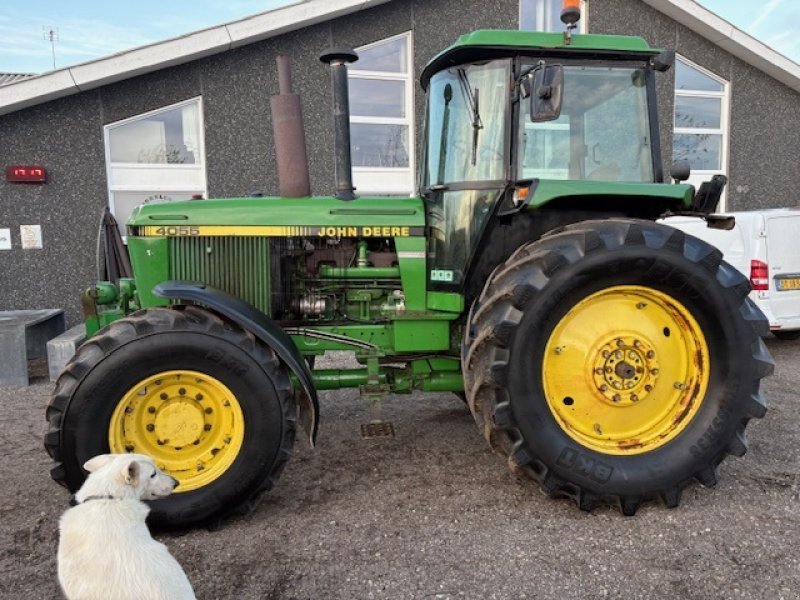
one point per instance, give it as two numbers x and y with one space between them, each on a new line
289 135
338 58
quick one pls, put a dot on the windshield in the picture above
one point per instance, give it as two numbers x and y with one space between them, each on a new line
467 124
603 133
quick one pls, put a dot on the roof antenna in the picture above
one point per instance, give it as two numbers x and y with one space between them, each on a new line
50 33
570 15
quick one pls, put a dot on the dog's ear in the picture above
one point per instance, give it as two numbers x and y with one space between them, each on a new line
131 473
98 462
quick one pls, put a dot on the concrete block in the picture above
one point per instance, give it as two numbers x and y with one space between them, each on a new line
24 335
62 348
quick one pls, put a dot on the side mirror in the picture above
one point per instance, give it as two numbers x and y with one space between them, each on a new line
664 61
680 170
546 92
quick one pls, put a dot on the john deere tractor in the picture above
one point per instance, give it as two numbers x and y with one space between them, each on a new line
610 358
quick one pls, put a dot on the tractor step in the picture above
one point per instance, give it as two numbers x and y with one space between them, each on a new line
377 429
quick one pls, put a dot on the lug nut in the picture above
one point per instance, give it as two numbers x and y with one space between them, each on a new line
651 354
182 391
599 371
198 397
129 448
634 398
151 427
603 388
207 427
616 398
128 410
648 388
654 371
606 353
209 410
151 409
679 386
163 396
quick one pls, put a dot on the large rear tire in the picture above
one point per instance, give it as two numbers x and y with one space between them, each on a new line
614 361
210 404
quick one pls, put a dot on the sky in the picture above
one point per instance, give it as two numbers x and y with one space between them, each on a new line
89 29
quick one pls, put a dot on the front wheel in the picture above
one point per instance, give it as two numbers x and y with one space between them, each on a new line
616 360
210 404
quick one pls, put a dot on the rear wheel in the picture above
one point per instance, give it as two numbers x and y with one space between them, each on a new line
211 405
615 361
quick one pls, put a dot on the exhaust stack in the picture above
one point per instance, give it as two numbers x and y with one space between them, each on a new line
289 133
338 59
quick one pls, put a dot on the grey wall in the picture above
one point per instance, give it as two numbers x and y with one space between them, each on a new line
66 135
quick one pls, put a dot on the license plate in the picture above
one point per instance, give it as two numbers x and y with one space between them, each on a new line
788 283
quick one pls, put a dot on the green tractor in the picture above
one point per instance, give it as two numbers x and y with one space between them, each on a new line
610 358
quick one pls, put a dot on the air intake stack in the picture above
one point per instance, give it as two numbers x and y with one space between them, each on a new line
289 133
338 59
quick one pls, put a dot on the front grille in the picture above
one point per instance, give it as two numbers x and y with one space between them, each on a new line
237 265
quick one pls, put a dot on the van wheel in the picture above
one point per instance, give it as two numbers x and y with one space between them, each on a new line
614 361
203 398
787 335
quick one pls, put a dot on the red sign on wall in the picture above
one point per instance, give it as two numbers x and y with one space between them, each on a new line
26 174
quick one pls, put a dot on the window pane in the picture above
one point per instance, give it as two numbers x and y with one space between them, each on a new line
377 98
386 56
689 78
702 150
704 113
541 15
169 137
379 145
603 133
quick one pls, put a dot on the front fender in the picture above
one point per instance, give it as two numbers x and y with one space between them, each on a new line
256 322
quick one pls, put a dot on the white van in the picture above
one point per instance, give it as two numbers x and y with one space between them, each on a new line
765 246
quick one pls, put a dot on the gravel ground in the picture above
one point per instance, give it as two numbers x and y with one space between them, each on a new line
432 513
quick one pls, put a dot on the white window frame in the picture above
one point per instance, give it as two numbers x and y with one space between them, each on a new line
389 180
699 176
160 178
583 24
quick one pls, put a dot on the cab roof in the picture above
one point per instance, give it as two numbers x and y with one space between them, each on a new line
485 44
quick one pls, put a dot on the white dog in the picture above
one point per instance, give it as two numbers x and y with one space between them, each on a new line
105 551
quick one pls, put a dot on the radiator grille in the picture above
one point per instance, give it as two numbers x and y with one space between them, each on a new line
237 265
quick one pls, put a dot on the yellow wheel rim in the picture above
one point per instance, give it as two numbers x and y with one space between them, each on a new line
190 423
625 370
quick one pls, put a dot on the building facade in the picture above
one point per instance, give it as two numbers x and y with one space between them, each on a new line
191 116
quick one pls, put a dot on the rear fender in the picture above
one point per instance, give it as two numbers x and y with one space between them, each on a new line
260 325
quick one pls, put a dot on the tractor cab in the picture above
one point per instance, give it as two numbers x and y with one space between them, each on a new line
509 111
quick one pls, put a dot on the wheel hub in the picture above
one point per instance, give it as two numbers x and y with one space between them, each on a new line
178 424
190 423
625 370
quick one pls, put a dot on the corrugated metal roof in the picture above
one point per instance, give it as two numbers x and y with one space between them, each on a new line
9 77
